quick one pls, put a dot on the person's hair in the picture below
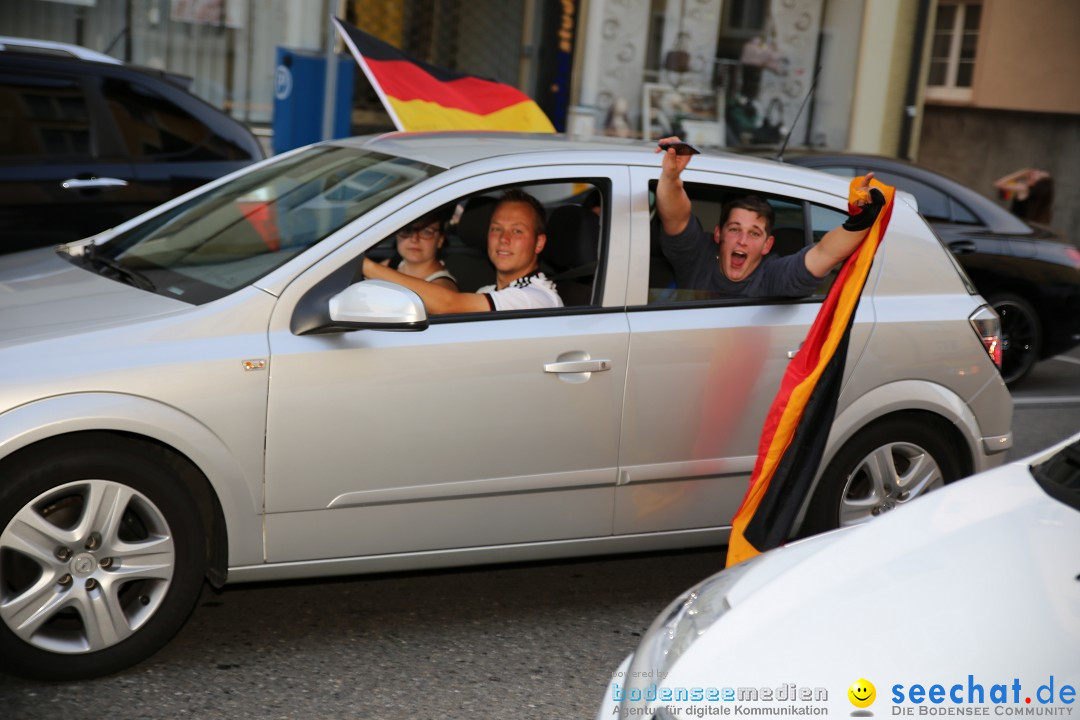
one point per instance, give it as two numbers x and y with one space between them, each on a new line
1040 200
439 216
516 195
754 204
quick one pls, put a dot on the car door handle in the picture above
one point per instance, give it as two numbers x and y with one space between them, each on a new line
577 366
93 184
962 247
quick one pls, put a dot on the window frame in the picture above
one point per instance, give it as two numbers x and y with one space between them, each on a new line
950 91
639 301
609 280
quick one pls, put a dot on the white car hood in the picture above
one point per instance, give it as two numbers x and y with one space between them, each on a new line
984 569
42 294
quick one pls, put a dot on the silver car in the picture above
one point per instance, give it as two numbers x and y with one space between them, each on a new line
207 392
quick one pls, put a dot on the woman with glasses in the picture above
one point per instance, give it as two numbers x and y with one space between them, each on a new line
418 244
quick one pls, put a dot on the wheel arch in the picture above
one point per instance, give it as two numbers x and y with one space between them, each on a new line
909 396
217 478
927 402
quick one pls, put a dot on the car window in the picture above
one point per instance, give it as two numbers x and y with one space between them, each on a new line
961 214
823 219
44 117
225 238
156 129
571 259
789 236
933 204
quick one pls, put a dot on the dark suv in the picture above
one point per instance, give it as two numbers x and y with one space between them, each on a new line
85 145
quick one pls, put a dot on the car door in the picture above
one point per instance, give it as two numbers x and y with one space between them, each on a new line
703 372
63 175
467 434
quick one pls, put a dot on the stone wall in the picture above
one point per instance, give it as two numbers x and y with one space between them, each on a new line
977 146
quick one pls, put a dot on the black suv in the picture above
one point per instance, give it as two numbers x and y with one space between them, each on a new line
85 145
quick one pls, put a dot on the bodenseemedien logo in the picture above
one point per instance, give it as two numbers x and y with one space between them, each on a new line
862 694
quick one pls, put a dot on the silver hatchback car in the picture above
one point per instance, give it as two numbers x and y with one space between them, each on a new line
208 392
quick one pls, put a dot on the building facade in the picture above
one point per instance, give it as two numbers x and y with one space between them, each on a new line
972 88
1002 94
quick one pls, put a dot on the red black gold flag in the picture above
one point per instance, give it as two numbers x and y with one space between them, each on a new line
423 97
793 439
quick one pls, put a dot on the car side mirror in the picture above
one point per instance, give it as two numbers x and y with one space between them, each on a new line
366 305
378 305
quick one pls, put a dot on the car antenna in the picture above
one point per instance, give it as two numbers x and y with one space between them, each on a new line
783 145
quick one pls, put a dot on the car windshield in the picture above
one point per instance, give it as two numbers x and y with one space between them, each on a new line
228 237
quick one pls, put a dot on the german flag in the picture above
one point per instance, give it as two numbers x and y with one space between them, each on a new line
422 97
793 439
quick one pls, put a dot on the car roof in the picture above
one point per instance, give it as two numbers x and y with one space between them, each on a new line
87 62
453 149
50 47
996 218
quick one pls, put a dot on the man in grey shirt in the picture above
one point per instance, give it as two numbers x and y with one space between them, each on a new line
736 260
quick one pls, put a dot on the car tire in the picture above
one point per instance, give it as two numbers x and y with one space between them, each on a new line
102 557
1021 336
884 465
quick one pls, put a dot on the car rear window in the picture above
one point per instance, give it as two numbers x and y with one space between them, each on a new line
155 128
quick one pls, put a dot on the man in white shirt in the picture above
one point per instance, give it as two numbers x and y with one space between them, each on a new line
516 236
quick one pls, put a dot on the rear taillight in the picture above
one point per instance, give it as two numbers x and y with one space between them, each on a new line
987 326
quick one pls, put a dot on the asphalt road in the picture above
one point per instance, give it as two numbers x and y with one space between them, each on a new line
515 642
1046 405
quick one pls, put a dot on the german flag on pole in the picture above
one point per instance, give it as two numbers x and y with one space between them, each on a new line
793 439
423 97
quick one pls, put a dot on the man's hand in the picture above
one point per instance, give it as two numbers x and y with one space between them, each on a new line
672 202
868 204
840 242
673 164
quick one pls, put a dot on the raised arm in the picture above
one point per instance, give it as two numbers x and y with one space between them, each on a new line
1014 182
840 242
437 299
672 202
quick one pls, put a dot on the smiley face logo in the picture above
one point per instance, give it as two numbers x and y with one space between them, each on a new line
862 693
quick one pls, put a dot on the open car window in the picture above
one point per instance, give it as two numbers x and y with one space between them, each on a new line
572 256
797 223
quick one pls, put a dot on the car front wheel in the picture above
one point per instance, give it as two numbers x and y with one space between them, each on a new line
102 555
886 465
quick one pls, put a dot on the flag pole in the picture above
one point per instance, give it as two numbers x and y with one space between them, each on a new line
330 89
367 72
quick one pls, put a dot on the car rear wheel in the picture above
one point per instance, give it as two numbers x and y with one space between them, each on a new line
888 464
102 555
1021 336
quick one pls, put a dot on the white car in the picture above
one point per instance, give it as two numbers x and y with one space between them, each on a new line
965 602
210 391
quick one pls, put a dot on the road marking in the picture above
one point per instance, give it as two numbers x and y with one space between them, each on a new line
1066 358
1048 400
